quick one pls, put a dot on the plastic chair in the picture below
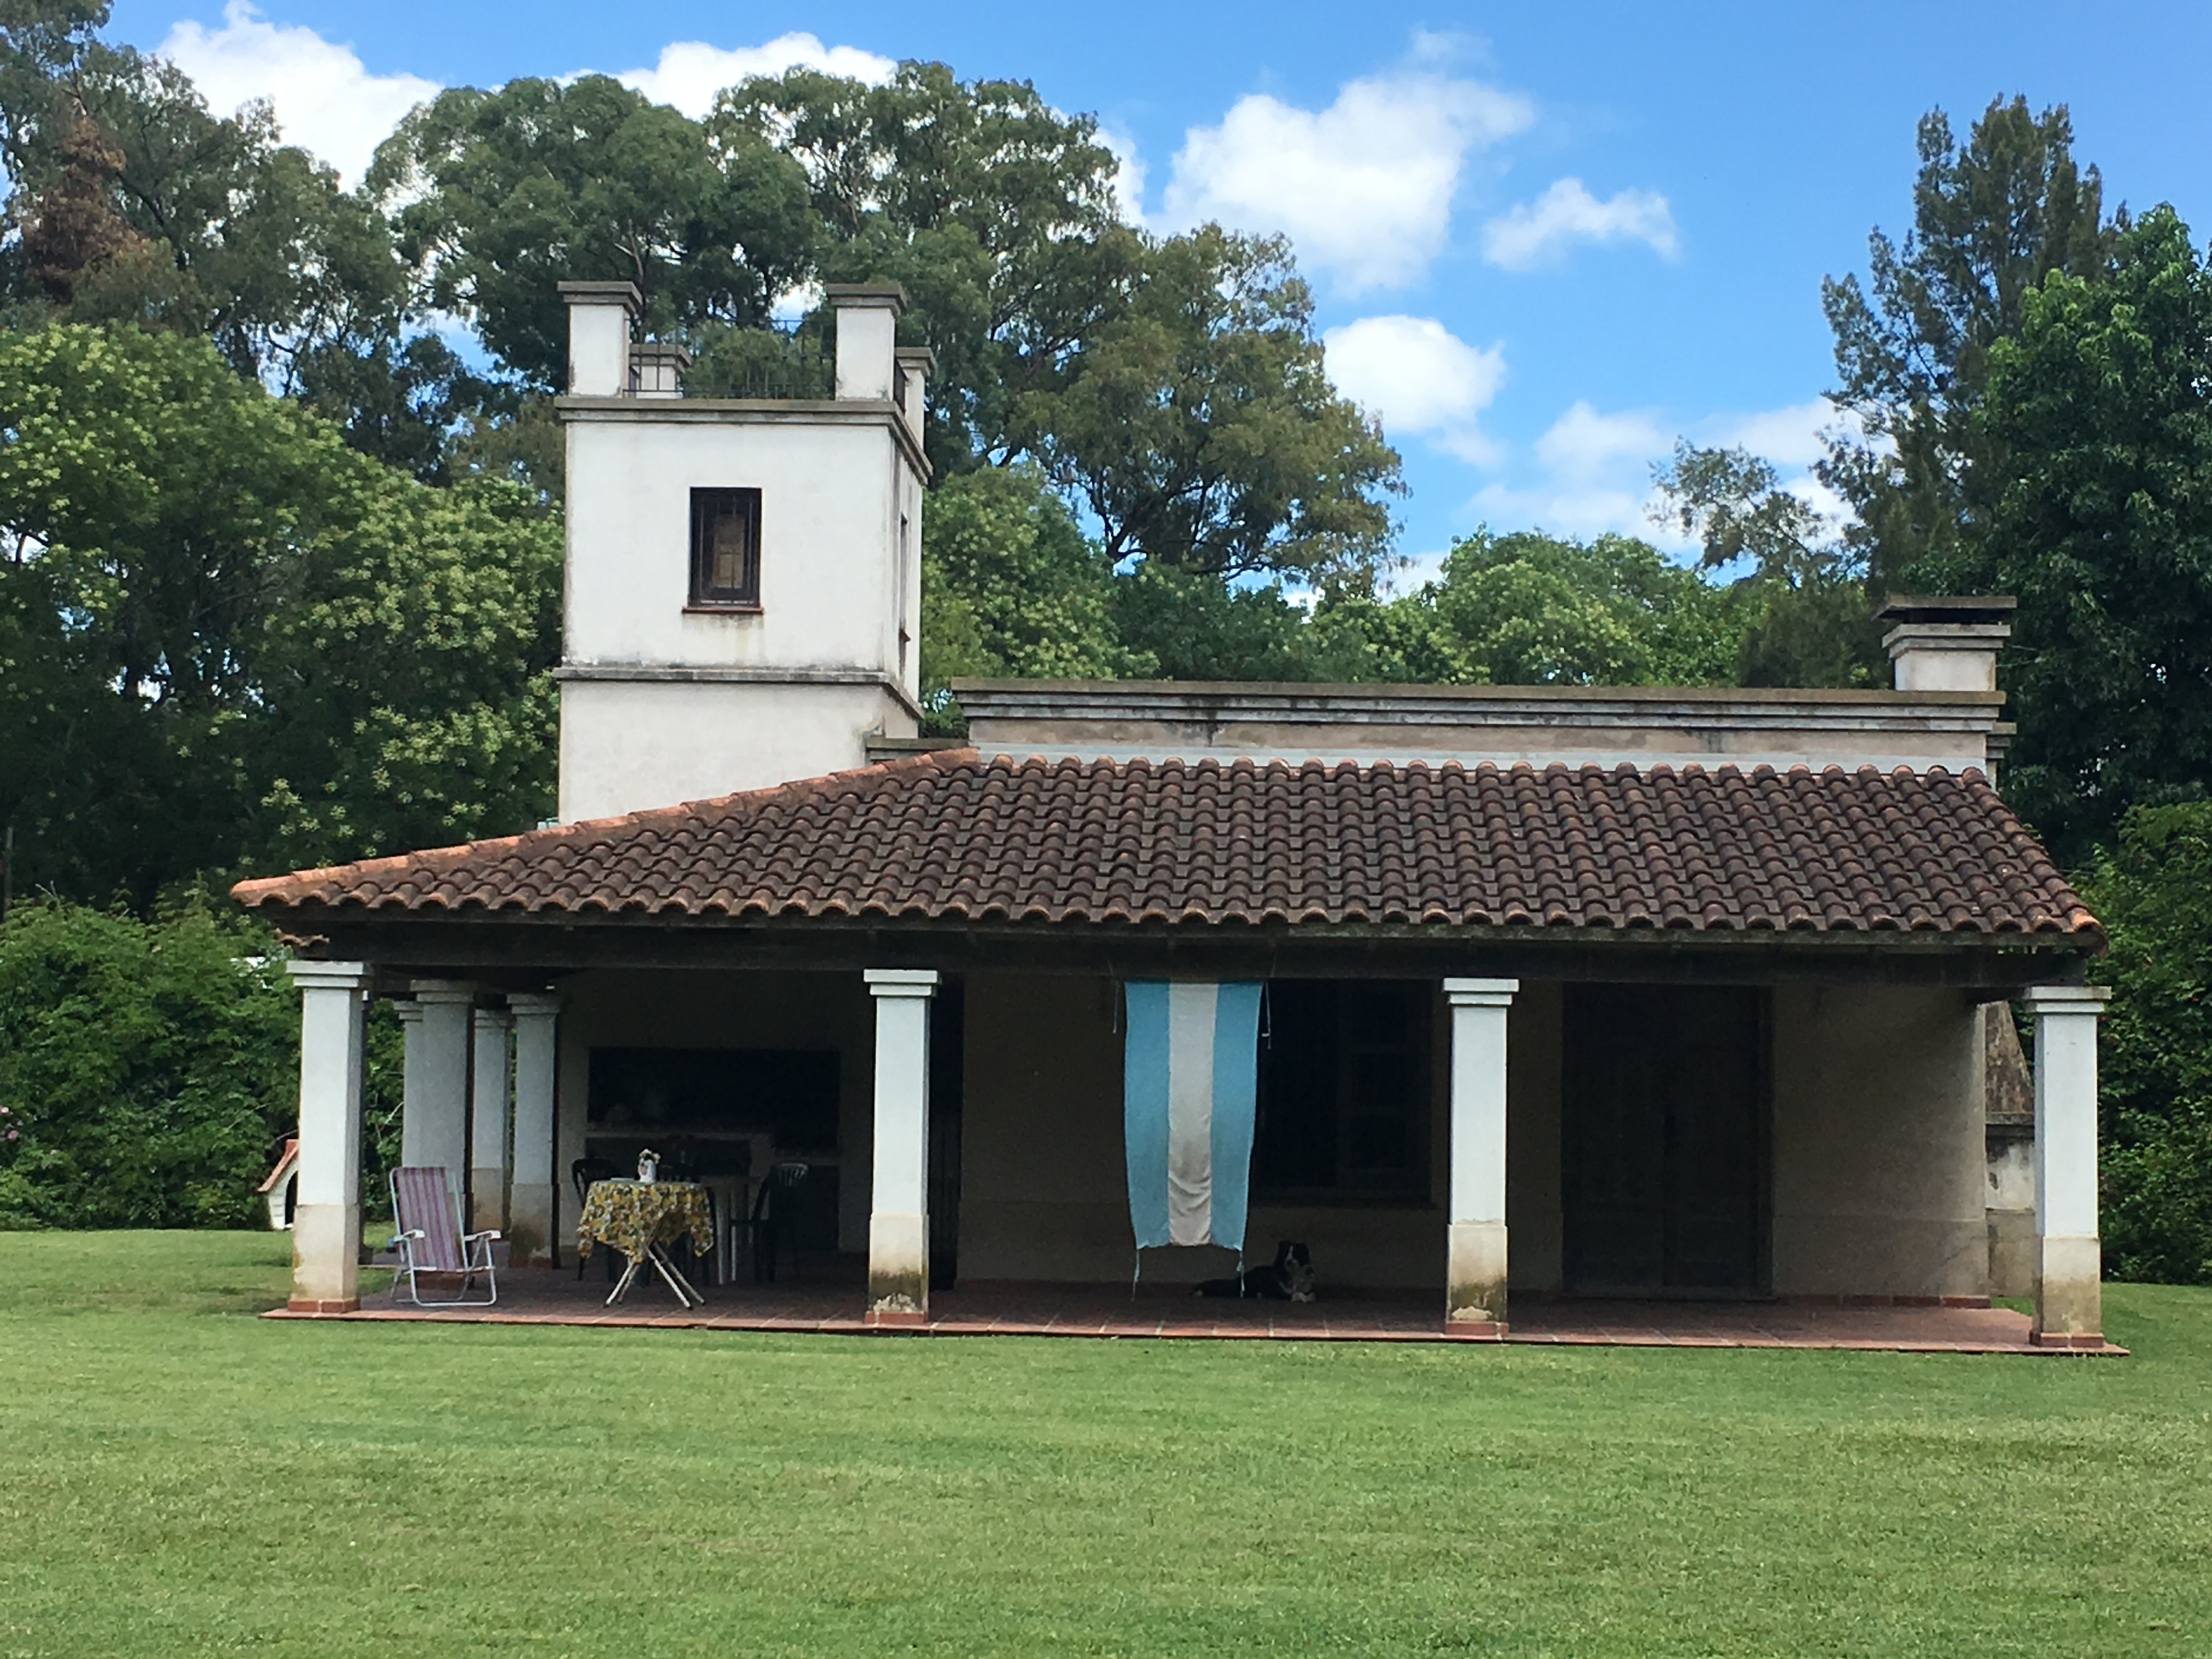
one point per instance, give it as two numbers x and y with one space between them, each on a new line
582 1174
767 1221
426 1208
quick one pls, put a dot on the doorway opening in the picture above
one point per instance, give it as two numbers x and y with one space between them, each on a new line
1664 1139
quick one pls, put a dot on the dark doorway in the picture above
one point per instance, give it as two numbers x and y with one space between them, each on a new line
947 1060
1663 1140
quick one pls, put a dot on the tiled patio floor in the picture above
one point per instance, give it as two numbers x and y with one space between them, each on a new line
543 1297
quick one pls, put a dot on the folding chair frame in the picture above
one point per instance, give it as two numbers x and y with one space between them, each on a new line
475 1255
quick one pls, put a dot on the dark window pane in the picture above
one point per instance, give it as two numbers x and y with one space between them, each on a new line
726 547
1344 1091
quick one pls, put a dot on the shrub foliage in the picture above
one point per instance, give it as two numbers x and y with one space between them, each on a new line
150 1068
2154 892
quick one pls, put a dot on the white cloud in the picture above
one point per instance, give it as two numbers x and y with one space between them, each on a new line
1789 437
1130 176
1559 509
1593 471
326 100
691 72
1363 188
1593 476
1416 375
1584 444
1540 233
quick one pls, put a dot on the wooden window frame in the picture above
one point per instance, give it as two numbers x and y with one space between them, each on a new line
708 505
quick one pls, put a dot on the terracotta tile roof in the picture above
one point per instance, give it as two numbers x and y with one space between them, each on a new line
953 837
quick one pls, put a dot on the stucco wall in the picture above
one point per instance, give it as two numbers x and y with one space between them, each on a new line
653 1009
629 746
832 591
1879 1162
831 655
1044 1192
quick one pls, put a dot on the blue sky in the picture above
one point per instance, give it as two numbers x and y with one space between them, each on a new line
1545 239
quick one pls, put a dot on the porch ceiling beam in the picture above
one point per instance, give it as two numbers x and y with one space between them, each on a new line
496 950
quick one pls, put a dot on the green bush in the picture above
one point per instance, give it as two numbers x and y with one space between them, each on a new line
2153 893
148 1069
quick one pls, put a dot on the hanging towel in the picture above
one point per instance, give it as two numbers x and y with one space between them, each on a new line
1190 1080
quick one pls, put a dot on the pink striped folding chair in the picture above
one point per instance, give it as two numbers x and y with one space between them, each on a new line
426 1208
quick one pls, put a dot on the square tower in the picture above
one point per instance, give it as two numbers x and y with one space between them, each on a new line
743 575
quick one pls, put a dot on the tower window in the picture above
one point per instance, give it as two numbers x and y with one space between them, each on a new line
726 549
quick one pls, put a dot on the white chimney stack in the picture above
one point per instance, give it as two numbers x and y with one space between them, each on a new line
600 315
1947 644
867 337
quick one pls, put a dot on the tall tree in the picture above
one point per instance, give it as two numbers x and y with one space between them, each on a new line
497 195
1197 424
1535 610
1014 587
994 210
1991 217
2152 891
1810 623
176 217
2100 520
229 640
1174 389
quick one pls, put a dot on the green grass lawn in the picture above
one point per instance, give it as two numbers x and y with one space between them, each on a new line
181 1478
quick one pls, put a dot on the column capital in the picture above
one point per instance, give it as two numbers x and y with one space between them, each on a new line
526 1003
2067 999
429 991
624 295
1481 993
493 1020
408 1009
329 975
900 982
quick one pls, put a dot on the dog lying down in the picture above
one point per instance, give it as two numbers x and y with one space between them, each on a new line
1290 1277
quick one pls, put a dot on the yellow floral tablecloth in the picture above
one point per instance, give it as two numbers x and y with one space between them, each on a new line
631 1217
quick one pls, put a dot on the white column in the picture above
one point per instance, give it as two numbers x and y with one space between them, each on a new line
898 1221
1474 1246
413 1121
537 1061
491 1080
326 1222
435 1135
2069 1257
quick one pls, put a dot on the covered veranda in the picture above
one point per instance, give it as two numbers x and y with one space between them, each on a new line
1855 921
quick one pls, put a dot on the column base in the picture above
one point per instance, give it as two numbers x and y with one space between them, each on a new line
2070 1293
488 1205
529 1223
895 1319
326 1257
898 1269
303 1304
1476 1330
1474 1279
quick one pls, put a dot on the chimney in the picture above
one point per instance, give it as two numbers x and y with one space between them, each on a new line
867 337
599 316
659 369
915 366
1947 644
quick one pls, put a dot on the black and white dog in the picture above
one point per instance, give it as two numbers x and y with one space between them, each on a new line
1289 1279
